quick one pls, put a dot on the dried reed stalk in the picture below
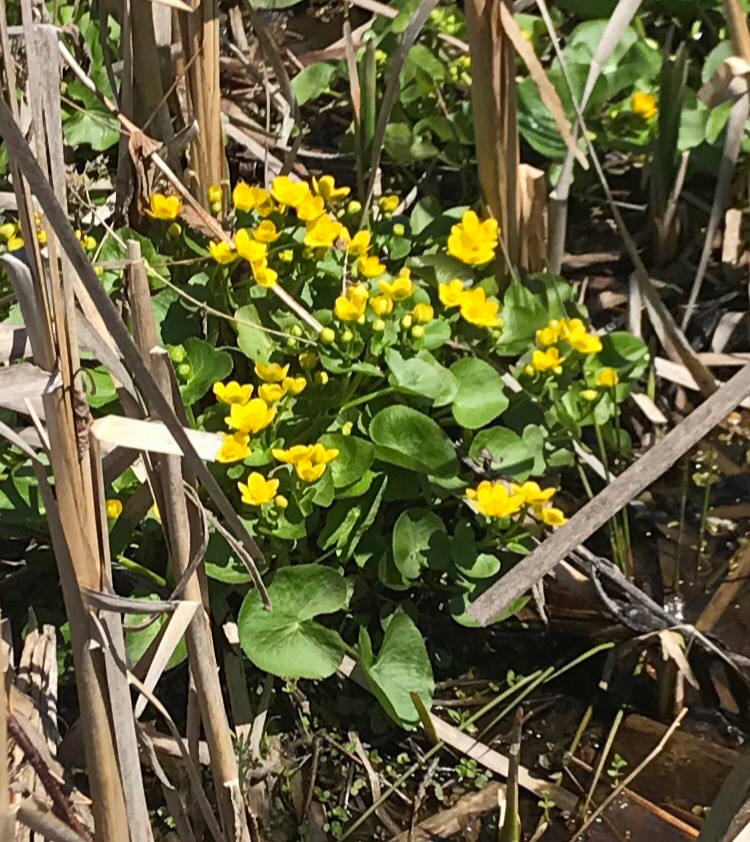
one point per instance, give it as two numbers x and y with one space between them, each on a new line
200 41
72 516
493 99
175 518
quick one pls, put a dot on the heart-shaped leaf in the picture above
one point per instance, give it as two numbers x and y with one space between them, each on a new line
421 375
410 439
413 540
480 397
207 364
401 668
287 641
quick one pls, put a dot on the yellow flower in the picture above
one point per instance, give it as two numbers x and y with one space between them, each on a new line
325 187
292 455
400 288
308 472
247 247
266 232
271 392
568 329
42 238
388 204
323 233
477 309
423 313
546 360
223 252
8 231
214 194
532 494
381 305
271 372
551 516
451 293
233 448
310 208
294 385
164 207
114 509
644 105
494 500
472 241
264 276
232 392
251 417
14 243
359 244
258 489
311 467
548 335
586 343
370 267
607 378
247 198
288 192
349 307
89 243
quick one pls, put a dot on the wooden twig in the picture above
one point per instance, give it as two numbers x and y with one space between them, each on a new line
62 806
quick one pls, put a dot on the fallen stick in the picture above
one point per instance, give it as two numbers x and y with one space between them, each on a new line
612 499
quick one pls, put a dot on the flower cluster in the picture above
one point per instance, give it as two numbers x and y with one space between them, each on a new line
473 304
308 460
547 356
497 500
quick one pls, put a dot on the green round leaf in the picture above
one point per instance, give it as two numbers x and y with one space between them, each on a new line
413 537
312 81
254 343
287 641
480 397
506 450
409 439
354 459
422 376
208 365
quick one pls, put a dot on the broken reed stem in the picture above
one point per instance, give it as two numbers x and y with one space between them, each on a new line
203 666
653 754
45 824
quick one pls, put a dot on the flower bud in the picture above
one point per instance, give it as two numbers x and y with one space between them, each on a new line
308 360
177 354
214 194
354 207
589 395
280 502
347 336
184 370
321 378
295 330
215 208
174 230
406 321
399 230
528 371
417 332
286 256
378 325
89 243
346 429
98 271
328 336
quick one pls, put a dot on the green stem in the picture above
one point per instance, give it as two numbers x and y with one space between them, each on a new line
365 398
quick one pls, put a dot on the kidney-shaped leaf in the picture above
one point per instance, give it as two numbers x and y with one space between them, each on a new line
355 457
480 397
402 667
508 452
413 540
207 364
287 641
410 439
422 376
